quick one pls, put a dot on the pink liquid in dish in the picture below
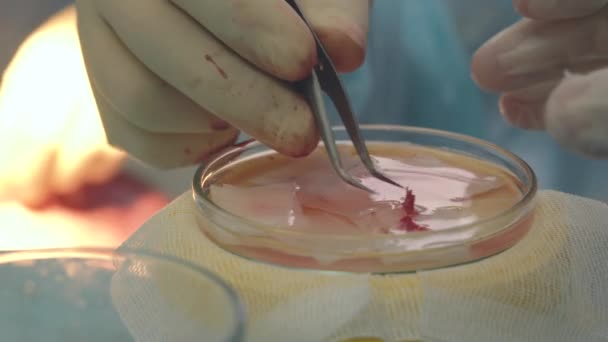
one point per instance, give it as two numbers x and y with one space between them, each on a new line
443 190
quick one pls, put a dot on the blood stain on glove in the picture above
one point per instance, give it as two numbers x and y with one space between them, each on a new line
221 71
219 125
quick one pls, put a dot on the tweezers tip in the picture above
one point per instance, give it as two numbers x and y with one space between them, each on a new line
359 185
386 179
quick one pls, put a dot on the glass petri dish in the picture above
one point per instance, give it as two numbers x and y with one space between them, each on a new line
108 295
488 232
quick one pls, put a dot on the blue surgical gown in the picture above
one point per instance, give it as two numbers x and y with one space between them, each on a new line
417 72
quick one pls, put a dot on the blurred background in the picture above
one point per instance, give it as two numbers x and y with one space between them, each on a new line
98 215
18 18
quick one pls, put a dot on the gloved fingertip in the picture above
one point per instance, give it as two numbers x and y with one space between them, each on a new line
296 64
560 122
346 45
307 144
522 114
522 7
485 69
292 134
219 124
297 144
557 9
577 116
342 26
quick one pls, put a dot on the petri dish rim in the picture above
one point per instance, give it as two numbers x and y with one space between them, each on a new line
480 231
109 254
528 196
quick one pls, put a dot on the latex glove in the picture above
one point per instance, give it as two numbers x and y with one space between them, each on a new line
175 80
51 139
552 71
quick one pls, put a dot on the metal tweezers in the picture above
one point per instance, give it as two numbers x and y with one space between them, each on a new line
324 77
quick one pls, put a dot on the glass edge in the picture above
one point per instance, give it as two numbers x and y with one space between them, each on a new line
237 332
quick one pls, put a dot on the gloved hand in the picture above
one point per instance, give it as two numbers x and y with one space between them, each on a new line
51 139
175 80
552 71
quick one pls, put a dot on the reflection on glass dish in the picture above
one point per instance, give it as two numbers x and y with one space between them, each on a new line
94 294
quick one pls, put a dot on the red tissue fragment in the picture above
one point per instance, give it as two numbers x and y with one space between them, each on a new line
407 222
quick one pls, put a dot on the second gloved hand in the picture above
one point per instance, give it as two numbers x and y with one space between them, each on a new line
552 71
176 80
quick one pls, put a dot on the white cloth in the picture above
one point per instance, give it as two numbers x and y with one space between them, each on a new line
552 286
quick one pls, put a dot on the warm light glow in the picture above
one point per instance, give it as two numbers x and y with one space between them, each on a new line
98 216
51 137
51 142
23 228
